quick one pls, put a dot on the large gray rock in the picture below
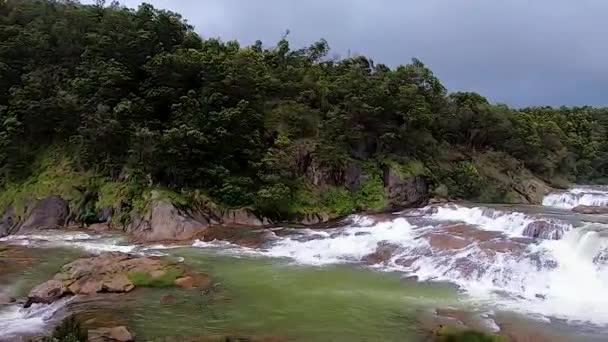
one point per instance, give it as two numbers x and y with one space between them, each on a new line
405 192
49 213
9 222
47 292
165 222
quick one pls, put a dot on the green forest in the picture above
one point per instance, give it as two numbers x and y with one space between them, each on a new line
102 101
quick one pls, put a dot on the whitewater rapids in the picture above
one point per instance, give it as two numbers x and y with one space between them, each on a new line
564 278
587 196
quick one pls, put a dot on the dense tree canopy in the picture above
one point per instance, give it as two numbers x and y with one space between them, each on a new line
138 94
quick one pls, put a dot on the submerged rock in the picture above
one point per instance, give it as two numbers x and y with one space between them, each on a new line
544 230
592 210
115 334
384 252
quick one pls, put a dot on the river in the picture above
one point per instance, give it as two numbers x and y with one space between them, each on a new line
368 278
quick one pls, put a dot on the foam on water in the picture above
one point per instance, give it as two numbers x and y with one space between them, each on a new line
557 278
17 321
512 223
93 243
577 196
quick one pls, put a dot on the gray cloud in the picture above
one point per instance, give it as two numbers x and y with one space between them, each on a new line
519 52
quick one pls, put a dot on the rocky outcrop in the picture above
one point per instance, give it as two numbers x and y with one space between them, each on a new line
165 222
584 209
544 230
115 334
405 192
115 273
532 189
9 222
49 213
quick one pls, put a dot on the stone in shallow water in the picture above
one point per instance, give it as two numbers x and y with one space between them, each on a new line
544 230
585 209
116 334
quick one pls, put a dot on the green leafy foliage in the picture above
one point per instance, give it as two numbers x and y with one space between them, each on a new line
136 101
69 330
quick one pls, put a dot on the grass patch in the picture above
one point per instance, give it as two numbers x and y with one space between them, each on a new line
449 334
144 279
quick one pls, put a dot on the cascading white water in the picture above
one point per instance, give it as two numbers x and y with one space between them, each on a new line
17 321
574 197
545 277
509 223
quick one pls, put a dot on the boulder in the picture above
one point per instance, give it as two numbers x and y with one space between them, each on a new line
115 334
314 219
164 222
384 252
544 230
585 209
49 213
405 192
532 189
168 300
9 222
242 217
47 292
109 272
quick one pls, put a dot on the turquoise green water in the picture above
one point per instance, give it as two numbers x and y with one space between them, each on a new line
257 296
47 263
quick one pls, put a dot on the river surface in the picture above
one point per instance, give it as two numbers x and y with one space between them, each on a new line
368 278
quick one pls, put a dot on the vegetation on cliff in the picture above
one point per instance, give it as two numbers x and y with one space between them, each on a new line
122 100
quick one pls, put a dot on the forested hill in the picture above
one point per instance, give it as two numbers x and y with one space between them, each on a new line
109 101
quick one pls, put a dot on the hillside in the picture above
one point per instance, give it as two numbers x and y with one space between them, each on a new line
101 105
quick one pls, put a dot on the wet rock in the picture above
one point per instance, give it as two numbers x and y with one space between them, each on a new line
544 230
470 232
164 222
503 246
193 281
9 222
243 217
447 242
49 213
99 227
6 299
314 219
384 252
405 192
111 272
532 189
47 292
115 334
168 300
584 209
242 236
406 262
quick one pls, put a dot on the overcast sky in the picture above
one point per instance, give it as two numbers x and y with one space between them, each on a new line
519 52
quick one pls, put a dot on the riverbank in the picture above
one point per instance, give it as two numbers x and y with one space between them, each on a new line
500 268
